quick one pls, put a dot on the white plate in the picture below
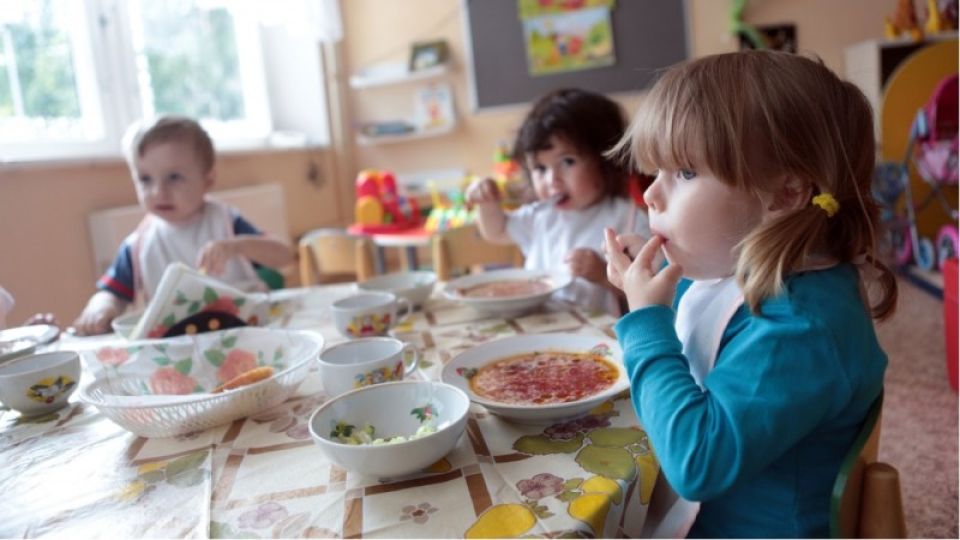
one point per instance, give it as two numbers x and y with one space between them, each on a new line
506 306
16 342
459 369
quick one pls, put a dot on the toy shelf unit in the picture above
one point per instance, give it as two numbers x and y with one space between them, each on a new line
869 64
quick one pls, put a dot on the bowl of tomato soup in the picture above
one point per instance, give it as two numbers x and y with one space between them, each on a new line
540 378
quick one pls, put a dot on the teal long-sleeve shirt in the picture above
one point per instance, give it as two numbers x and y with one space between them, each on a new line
762 442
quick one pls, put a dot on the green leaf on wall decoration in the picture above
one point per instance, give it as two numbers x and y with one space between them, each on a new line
239 301
169 320
229 341
161 360
180 300
194 307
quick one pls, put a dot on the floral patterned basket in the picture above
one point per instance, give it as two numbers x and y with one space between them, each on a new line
162 388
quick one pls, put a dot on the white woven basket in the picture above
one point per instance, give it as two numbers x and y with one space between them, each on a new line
190 413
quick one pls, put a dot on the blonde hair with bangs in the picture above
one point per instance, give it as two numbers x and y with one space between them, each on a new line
754 118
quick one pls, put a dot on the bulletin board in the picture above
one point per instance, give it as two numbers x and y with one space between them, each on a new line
648 35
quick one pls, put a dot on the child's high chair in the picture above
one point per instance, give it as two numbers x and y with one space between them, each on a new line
460 249
327 255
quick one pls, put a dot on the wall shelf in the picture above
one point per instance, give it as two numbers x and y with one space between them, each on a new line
367 140
388 74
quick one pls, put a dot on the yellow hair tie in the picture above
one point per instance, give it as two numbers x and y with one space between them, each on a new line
828 203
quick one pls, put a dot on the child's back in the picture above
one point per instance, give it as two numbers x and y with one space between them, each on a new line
788 393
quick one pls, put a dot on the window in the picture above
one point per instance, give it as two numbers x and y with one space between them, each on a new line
75 73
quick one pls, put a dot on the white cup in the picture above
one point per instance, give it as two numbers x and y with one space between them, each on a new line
369 313
362 362
39 383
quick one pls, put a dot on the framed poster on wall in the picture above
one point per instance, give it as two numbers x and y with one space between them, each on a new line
647 36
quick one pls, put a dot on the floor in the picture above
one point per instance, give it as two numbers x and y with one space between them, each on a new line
920 414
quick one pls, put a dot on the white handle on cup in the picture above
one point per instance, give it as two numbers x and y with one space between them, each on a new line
416 358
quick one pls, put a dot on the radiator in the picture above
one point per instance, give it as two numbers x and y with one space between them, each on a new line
262 205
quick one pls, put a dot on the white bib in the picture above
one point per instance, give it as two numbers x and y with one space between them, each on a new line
160 243
704 312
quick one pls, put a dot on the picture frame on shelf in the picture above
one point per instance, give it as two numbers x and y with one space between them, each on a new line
433 108
427 54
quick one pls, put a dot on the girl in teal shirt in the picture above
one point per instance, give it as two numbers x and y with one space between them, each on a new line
752 354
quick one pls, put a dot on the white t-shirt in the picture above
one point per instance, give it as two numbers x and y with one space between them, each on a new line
546 235
160 243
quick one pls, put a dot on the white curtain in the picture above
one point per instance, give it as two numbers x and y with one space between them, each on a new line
318 20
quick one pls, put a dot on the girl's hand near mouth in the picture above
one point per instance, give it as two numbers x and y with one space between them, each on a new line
641 279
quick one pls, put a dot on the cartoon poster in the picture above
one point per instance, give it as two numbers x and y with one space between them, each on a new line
567 35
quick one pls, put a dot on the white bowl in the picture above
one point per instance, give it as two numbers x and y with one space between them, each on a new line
465 365
124 324
392 409
506 306
415 286
39 383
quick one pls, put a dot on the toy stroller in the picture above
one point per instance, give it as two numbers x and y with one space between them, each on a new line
932 149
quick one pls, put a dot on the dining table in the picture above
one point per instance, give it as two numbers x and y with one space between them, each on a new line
73 472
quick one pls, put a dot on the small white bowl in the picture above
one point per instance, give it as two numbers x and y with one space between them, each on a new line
393 409
124 324
415 286
39 383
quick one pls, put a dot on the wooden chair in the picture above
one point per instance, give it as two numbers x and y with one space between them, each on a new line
328 255
866 500
461 249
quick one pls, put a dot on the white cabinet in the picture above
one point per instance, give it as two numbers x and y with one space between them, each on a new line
431 112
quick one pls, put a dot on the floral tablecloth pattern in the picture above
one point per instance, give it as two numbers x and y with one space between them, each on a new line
73 471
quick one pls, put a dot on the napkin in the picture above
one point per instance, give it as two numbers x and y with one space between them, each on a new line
188 301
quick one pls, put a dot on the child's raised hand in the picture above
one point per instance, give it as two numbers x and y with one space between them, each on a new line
483 192
640 280
214 256
587 264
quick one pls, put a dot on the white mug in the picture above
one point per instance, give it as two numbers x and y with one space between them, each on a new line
369 313
365 361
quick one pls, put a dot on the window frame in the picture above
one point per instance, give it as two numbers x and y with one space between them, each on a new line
108 89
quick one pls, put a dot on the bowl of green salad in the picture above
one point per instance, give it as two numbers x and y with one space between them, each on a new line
391 429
